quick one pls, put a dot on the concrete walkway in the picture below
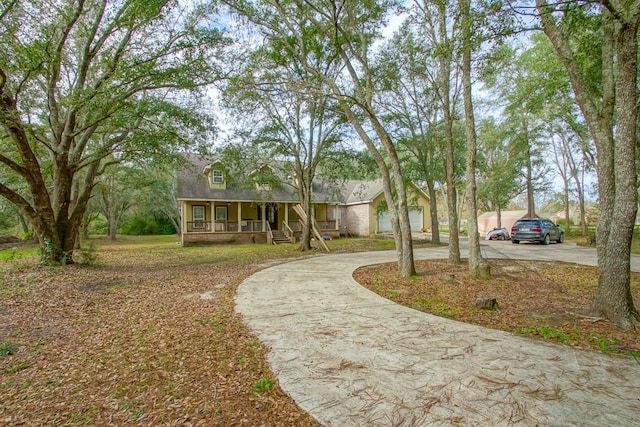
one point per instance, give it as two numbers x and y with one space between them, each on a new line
351 358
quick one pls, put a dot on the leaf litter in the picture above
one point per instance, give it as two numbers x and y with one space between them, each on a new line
147 336
539 299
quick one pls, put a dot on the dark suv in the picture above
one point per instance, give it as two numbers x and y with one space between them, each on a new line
540 230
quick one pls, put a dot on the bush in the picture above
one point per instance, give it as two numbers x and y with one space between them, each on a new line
87 254
27 236
98 226
562 222
144 225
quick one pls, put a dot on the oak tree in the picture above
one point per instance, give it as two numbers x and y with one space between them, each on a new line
88 83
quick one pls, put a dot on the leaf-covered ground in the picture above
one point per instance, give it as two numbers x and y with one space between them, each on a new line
543 300
147 336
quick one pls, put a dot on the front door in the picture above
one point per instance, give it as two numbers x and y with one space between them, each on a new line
221 218
272 215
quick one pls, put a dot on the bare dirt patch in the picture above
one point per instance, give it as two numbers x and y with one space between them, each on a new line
543 300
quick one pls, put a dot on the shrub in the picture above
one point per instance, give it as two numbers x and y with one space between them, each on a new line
87 254
143 225
98 226
27 236
562 222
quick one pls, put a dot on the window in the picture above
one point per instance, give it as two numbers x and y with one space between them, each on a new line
221 213
199 213
199 216
217 176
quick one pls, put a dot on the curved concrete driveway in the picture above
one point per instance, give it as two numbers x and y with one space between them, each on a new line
351 358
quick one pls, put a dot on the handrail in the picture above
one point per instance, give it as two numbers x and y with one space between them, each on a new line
285 227
288 231
269 234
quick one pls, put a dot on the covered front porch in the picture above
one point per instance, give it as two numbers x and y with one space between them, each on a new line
216 221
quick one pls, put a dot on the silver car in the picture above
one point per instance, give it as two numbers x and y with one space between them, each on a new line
541 230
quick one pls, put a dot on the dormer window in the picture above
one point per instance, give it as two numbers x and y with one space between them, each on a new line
217 176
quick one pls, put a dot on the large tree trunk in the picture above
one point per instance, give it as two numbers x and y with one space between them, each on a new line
616 163
477 267
450 179
54 225
113 227
531 207
399 221
402 227
613 298
305 196
435 225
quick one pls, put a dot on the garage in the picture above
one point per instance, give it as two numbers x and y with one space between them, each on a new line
415 219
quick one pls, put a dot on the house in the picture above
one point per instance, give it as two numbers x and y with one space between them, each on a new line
489 220
363 210
216 207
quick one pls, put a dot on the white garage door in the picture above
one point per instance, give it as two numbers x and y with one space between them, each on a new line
415 219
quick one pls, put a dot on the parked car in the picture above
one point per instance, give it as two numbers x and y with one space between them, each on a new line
541 230
498 234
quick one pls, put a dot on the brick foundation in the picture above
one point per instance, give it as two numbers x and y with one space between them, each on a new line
222 238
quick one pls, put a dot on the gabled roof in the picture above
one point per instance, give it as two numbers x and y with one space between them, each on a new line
356 191
193 185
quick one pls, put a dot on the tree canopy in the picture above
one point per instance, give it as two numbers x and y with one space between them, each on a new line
86 84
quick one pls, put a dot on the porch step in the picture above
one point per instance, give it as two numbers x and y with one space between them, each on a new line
279 237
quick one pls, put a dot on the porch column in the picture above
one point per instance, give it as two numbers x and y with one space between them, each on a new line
213 217
183 220
335 216
263 207
286 213
239 216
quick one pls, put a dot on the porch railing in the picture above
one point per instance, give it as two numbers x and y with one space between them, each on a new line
322 225
326 225
195 226
248 225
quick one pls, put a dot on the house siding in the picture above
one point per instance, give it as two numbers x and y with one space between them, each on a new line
414 199
356 218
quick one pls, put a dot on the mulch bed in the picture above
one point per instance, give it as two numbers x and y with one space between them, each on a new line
544 300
